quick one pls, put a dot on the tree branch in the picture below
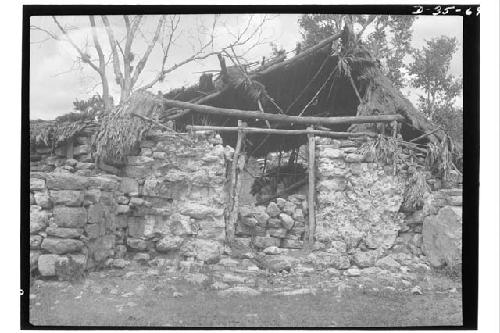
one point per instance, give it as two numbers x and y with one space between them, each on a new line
112 44
84 56
142 63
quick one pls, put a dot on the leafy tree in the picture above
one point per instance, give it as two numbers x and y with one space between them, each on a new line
387 36
430 72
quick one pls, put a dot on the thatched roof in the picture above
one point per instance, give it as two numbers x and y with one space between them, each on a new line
316 84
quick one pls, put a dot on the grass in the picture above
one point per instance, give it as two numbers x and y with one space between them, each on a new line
93 303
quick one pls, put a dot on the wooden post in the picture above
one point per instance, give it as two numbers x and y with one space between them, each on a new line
235 186
312 190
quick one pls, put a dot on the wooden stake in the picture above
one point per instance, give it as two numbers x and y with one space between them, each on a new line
235 186
312 190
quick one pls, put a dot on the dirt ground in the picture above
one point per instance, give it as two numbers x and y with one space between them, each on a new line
149 297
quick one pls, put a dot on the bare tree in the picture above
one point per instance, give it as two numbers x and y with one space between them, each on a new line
127 67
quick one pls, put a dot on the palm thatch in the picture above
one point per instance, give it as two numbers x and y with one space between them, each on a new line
325 82
121 130
54 133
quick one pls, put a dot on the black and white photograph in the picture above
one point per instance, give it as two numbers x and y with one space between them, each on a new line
250 167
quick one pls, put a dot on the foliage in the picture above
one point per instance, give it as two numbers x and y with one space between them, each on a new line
387 36
384 149
94 106
430 72
415 191
441 156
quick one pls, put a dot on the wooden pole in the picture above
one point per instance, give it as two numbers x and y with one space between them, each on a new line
312 190
281 117
280 131
235 186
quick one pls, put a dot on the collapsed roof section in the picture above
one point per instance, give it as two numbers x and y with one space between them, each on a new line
323 81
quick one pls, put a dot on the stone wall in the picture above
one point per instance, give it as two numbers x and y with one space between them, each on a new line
358 200
280 224
167 201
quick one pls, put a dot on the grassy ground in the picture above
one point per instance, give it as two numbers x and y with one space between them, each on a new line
171 301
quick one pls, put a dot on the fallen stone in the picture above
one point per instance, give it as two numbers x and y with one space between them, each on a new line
442 237
35 242
365 259
302 291
272 250
233 278
122 209
169 243
353 271
240 290
180 225
42 199
217 285
289 208
273 210
38 219
382 239
61 245
278 233
208 251
66 181
137 244
34 255
70 217
249 221
280 202
278 263
388 263
199 211
120 263
416 290
37 184
47 264
265 242
286 221
196 278
274 223
67 197
335 260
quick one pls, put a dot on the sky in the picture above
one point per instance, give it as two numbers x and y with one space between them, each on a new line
56 79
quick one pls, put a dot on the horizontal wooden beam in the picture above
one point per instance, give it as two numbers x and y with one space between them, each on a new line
279 131
243 114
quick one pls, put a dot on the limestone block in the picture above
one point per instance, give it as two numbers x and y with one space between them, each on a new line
67 197
442 237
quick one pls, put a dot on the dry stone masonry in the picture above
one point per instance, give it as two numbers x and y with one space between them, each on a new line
168 202
169 199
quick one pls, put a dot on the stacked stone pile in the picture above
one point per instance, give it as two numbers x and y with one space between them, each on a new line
281 224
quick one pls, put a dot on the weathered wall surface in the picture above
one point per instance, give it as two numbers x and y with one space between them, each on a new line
357 200
169 200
